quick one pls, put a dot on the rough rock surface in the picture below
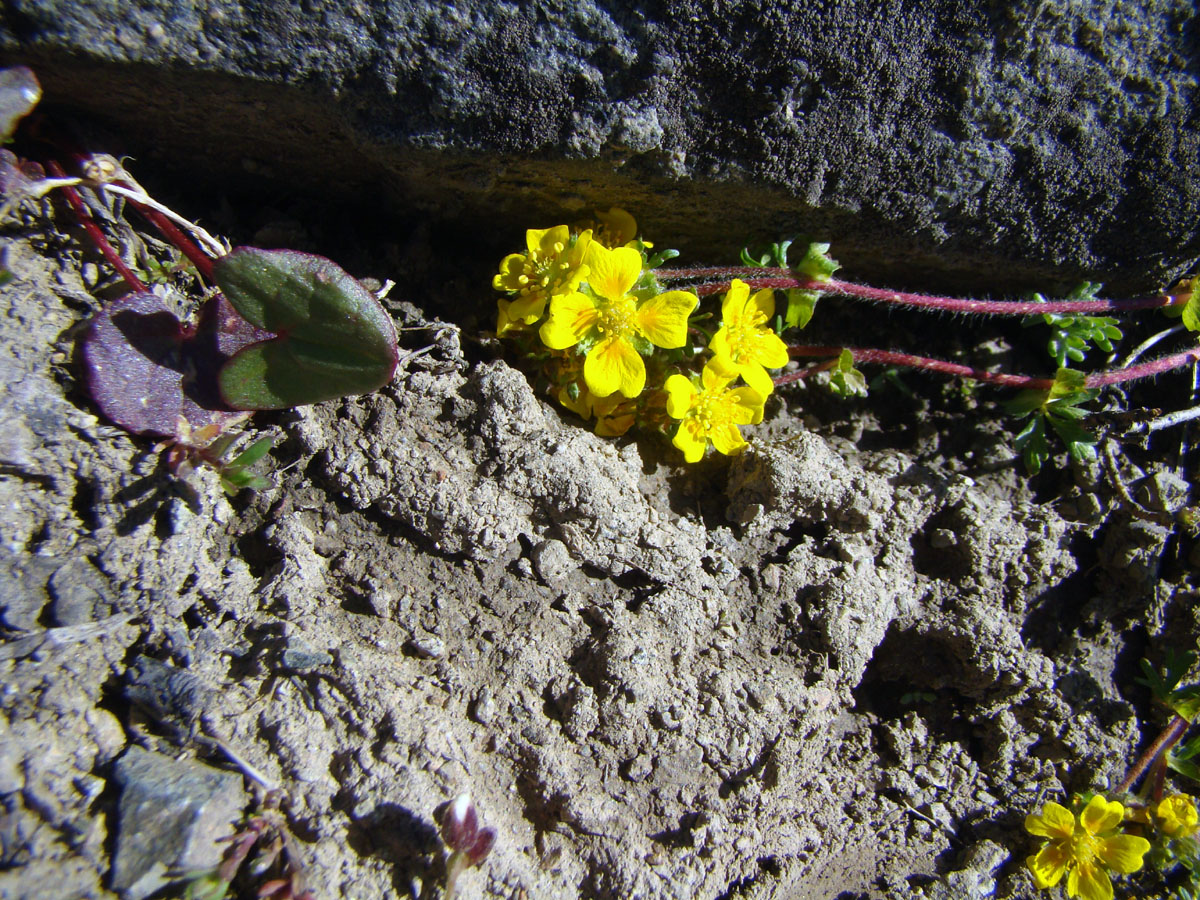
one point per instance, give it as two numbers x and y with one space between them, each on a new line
1018 142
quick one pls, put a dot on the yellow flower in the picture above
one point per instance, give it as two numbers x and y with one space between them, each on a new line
551 265
744 339
712 411
1084 851
617 228
614 414
615 326
1176 816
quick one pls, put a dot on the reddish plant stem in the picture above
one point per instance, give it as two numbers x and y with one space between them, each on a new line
1164 742
84 215
202 261
782 279
894 358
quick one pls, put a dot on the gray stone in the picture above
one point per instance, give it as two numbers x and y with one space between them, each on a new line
78 593
170 816
958 136
552 561
300 656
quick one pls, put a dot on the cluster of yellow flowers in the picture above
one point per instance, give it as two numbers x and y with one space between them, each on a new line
590 297
1087 848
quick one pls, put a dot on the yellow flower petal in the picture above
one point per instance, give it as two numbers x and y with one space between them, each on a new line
613 365
571 317
756 376
748 406
681 393
617 227
662 320
727 439
614 426
1049 865
612 273
1101 814
718 372
512 267
544 241
770 350
691 439
765 301
1123 852
528 308
733 307
1089 882
581 405
1054 821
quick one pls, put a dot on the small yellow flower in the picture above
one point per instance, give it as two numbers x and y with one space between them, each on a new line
711 411
614 414
1085 850
617 228
614 324
1176 816
551 265
745 340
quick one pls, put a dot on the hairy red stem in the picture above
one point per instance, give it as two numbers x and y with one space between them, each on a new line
782 279
201 260
1167 739
84 215
894 358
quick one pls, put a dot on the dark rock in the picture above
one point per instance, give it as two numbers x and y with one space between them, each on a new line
996 143
170 815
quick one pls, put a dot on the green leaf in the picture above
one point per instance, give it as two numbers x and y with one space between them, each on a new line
1080 442
1187 749
660 257
761 263
333 339
253 453
1031 443
1191 312
845 380
801 305
817 264
1176 665
1026 402
1185 767
1186 702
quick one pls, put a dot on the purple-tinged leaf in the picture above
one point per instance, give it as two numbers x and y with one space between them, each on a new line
460 823
146 371
333 337
482 845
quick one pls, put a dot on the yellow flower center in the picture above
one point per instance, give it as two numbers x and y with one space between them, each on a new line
616 317
742 333
1085 848
712 408
539 272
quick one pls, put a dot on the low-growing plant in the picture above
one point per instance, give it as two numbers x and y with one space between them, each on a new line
262 855
273 329
622 341
1154 832
467 841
